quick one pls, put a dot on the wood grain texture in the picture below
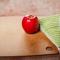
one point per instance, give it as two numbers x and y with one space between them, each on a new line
15 42
35 7
37 57
12 43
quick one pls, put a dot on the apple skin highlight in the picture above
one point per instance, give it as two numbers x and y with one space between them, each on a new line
30 24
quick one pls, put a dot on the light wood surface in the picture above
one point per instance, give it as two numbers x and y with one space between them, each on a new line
37 57
40 7
11 37
15 42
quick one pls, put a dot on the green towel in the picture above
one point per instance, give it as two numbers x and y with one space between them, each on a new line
51 26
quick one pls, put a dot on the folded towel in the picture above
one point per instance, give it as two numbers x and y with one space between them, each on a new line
51 26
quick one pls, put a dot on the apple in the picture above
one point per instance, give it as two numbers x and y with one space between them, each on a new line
30 24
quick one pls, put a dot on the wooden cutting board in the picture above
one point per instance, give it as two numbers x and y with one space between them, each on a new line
15 42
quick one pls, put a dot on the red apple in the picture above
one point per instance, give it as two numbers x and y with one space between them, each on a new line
30 24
